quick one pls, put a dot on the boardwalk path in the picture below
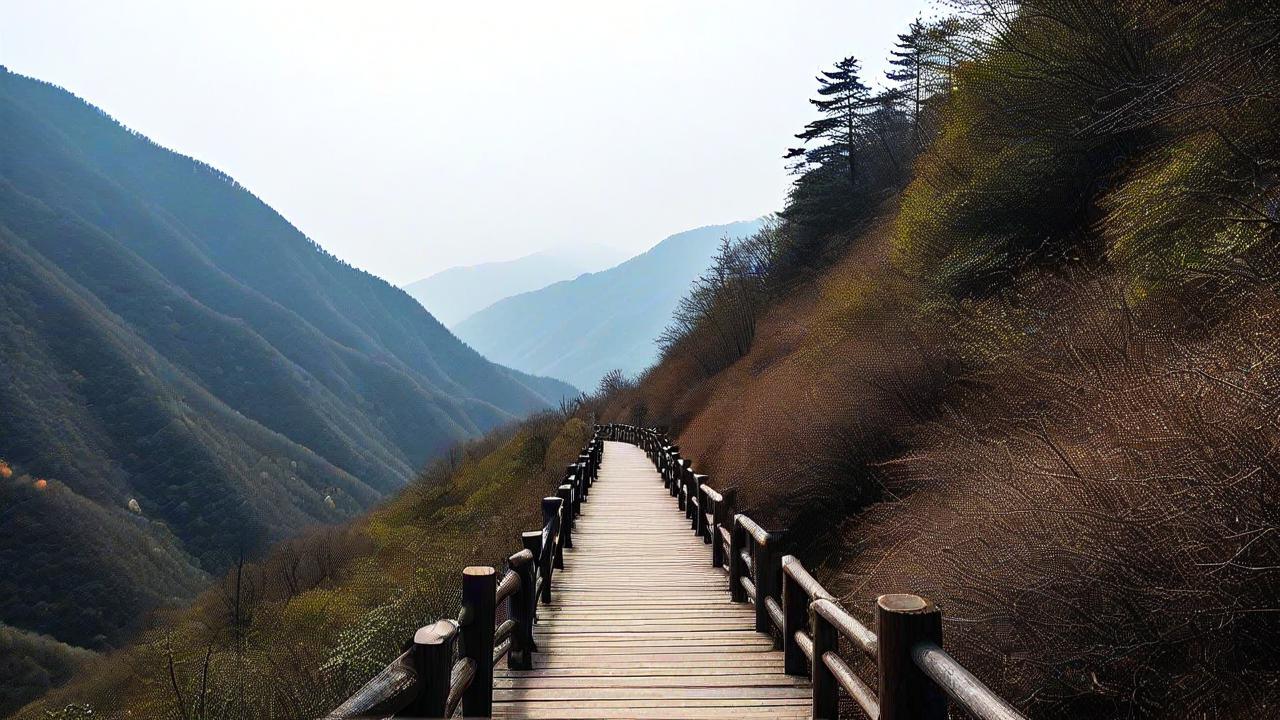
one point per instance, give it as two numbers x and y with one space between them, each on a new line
640 625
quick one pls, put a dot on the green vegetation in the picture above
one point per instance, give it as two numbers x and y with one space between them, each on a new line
185 378
1085 132
295 633
1033 377
31 664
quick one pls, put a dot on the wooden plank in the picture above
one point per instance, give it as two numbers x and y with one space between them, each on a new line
641 624
542 682
605 665
654 693
637 647
651 659
670 712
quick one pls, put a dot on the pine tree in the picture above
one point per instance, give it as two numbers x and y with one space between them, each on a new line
908 58
924 61
843 102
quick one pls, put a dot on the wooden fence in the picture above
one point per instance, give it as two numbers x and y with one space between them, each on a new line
916 678
450 662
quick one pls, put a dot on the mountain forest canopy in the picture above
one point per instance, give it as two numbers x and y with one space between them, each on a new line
1009 344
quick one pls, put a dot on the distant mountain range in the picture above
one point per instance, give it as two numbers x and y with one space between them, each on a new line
185 377
579 329
454 294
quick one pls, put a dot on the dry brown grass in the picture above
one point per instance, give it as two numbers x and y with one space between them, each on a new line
1097 511
1089 491
835 370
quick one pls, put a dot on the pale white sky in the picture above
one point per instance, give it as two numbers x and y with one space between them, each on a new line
406 137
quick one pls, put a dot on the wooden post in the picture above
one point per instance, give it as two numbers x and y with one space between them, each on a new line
690 488
795 617
906 693
570 471
723 517
705 506
686 496
737 569
432 659
550 529
523 605
767 563
826 691
565 493
478 586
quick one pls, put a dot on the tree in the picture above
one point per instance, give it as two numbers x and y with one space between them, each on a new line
852 160
614 381
908 59
844 100
924 61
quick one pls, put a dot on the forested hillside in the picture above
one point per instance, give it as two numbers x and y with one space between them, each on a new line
1011 346
292 635
581 329
185 377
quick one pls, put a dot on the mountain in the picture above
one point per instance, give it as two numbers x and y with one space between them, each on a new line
454 294
580 329
185 377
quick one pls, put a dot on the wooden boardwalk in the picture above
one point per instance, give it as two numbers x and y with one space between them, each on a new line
649 618
640 624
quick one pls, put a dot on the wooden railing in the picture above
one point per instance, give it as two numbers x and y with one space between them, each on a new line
916 678
450 662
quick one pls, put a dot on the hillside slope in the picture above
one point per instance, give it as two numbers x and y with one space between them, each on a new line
454 294
168 339
582 328
327 610
1036 382
1085 502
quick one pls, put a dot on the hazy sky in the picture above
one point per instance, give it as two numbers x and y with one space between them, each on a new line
406 137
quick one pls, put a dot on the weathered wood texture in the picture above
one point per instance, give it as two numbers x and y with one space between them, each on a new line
640 625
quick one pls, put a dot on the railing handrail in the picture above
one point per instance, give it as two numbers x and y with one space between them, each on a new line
757 532
426 680
915 675
960 684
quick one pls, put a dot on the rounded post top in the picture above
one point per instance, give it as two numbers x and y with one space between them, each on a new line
905 603
478 570
438 633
